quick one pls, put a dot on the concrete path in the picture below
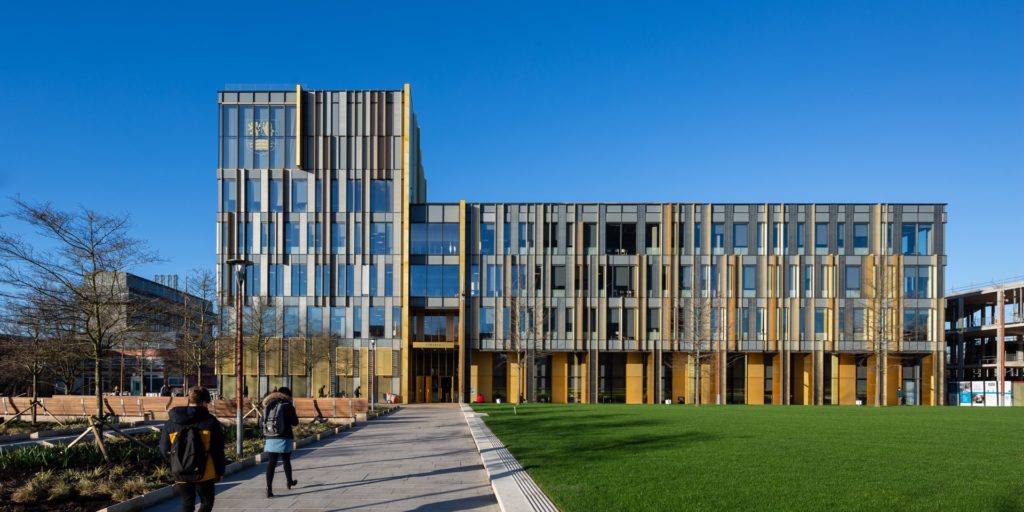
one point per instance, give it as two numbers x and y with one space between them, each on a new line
420 458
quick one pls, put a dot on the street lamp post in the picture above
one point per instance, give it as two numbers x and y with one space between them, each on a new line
239 265
372 371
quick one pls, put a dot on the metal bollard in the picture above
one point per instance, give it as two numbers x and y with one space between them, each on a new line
334 408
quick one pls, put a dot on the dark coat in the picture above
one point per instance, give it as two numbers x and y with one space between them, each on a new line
290 417
201 418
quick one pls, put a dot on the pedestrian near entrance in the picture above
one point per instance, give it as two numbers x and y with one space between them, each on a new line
278 419
193 443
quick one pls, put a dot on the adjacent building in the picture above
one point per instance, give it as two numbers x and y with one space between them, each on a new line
361 285
985 345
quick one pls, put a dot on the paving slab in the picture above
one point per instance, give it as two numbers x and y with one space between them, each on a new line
419 458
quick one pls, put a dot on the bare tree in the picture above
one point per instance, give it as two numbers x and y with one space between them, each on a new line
81 276
528 338
318 346
32 346
195 316
883 308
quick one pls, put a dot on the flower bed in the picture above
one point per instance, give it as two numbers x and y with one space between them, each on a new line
10 428
78 479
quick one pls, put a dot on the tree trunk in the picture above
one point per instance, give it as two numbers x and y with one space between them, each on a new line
98 375
35 396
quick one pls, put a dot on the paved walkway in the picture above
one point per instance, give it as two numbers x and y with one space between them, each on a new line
420 458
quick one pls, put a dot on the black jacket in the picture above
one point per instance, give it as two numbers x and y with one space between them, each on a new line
290 417
201 418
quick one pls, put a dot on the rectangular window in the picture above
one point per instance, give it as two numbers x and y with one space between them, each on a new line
494 278
761 235
570 235
335 196
298 279
396 322
652 238
486 323
357 238
474 280
275 280
252 280
291 321
313 239
808 280
739 236
860 237
525 236
749 278
486 238
852 281
346 280
373 279
389 280
229 132
819 323
418 280
376 322
821 235
354 195
300 194
686 278
841 237
357 322
338 238
291 237
314 321
858 324
717 235
380 238
799 235
380 195
696 237
909 239
252 194
923 282
230 195
276 195
924 239
558 277
338 322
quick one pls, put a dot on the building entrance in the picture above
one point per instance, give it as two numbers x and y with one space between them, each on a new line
435 373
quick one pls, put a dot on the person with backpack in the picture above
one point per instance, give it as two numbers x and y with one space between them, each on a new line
193 444
278 419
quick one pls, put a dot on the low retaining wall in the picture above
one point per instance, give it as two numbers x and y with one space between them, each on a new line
155 408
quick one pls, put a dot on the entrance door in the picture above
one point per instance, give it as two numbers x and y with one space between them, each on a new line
437 369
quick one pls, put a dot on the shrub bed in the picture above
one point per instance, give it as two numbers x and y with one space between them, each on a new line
10 428
78 479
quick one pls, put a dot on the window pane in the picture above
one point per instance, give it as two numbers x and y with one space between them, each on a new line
486 238
739 235
860 235
252 194
821 235
275 195
299 195
908 238
924 239
230 194
380 195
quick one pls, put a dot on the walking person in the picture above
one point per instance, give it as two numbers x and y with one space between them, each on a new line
193 443
278 419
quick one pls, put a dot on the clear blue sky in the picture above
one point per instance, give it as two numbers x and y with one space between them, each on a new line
114 106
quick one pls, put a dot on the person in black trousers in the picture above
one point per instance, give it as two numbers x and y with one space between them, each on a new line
279 439
196 414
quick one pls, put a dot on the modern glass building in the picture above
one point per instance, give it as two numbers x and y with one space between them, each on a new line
360 284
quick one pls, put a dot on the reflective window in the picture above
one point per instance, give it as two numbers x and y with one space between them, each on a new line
686 278
620 238
335 198
291 320
229 132
291 237
380 195
696 236
474 280
924 239
525 236
230 195
749 277
380 238
740 235
493 278
558 277
821 235
314 321
396 322
275 280
376 322
717 235
354 195
434 238
799 235
276 204
300 195
841 236
486 238
486 323
338 322
252 194
389 280
314 240
357 322
357 238
852 280
298 279
860 236
338 237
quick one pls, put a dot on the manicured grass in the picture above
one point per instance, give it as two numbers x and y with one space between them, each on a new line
664 457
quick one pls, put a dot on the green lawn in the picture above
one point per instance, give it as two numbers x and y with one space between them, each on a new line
657 457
